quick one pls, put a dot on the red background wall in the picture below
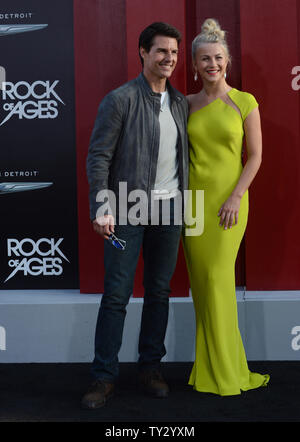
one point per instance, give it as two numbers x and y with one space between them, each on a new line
270 49
264 49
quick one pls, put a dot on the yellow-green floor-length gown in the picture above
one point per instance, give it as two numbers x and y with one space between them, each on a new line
216 138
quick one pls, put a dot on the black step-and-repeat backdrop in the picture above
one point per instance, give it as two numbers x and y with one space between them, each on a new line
38 237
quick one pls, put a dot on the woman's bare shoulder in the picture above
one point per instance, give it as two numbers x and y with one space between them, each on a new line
192 99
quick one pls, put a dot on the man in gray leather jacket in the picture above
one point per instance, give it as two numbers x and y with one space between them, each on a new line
139 141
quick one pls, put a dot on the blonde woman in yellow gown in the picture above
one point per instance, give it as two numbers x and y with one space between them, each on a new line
220 118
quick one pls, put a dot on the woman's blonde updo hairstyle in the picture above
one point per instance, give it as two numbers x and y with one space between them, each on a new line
211 32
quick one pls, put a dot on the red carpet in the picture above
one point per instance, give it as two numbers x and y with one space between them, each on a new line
52 392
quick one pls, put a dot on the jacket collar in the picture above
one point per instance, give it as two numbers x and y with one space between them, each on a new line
147 89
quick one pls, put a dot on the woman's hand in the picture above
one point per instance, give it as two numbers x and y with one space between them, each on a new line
229 212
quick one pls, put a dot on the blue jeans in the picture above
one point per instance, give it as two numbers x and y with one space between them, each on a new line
160 248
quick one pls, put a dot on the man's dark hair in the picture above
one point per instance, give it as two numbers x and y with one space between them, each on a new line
157 28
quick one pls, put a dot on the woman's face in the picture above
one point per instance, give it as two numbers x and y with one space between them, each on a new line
210 61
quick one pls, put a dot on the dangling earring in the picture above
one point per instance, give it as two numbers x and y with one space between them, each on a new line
196 76
225 75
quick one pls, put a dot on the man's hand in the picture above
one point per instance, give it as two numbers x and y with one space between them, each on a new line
104 225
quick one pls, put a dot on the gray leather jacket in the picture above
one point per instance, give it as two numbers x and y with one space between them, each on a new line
125 140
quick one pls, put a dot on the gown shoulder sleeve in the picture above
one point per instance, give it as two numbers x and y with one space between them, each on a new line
246 102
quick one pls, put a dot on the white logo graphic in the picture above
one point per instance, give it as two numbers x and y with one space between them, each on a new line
6 30
296 339
34 258
30 100
2 338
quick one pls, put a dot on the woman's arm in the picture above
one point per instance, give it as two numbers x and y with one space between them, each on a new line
230 209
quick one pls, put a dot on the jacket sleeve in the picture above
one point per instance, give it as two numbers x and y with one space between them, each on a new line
103 143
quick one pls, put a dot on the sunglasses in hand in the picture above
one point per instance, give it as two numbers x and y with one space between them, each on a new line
116 242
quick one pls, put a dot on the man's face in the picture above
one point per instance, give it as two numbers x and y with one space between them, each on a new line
161 60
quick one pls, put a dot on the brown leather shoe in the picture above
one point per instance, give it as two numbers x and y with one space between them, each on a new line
97 395
153 383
